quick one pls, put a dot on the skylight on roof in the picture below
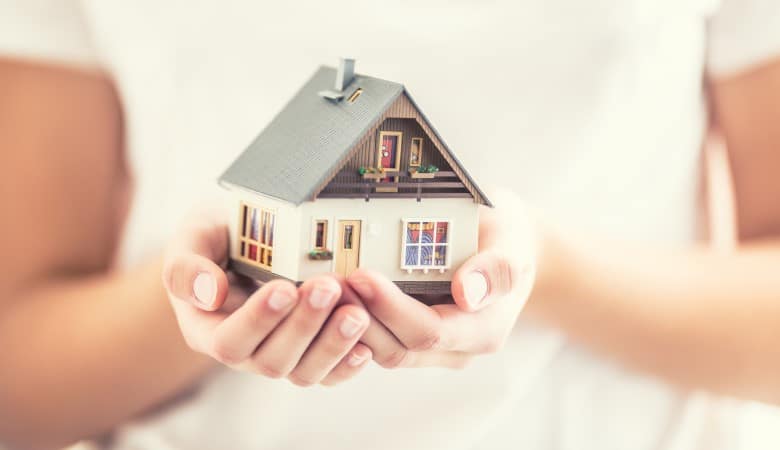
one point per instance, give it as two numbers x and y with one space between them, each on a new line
355 95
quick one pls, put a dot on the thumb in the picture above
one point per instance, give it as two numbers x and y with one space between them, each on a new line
484 277
197 280
191 272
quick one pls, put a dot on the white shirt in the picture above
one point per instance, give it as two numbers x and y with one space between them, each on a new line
594 110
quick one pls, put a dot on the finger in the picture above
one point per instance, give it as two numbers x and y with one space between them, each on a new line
349 366
483 330
204 233
239 290
338 336
197 326
437 358
280 352
483 278
191 271
433 358
463 331
196 279
479 332
237 337
413 323
386 349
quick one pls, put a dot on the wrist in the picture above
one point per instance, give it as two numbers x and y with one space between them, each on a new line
555 271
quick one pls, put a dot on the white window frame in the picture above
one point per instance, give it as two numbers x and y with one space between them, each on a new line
405 224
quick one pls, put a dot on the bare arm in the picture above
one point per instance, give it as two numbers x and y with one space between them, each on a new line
695 316
84 347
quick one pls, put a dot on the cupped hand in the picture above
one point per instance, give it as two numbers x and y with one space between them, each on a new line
280 330
489 291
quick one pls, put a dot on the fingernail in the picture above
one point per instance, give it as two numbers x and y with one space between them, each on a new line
475 288
350 326
363 287
355 360
204 287
279 300
320 298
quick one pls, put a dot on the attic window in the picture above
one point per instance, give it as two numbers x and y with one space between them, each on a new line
355 95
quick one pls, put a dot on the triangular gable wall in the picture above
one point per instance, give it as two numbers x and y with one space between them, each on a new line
404 108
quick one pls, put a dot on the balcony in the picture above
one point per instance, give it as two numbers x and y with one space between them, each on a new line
349 184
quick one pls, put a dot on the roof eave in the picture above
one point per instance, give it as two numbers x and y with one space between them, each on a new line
230 186
484 199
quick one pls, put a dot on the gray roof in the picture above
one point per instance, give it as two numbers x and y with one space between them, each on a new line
295 153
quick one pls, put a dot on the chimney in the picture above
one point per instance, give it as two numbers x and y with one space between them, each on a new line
345 74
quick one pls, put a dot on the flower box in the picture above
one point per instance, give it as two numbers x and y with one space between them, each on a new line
424 171
375 173
416 174
320 255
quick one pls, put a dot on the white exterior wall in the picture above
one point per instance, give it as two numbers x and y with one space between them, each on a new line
382 230
287 244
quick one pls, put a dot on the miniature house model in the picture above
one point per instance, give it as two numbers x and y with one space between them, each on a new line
352 175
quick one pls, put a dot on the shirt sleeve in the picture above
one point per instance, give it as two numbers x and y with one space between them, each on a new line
51 30
743 34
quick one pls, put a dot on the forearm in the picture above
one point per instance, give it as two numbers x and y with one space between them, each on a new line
694 316
81 355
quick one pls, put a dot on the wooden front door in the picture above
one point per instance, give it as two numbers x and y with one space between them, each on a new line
347 247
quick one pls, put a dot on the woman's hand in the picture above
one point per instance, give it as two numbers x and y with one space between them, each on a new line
490 289
278 331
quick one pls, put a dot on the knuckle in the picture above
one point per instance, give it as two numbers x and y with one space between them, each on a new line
503 267
300 380
426 341
328 382
255 316
332 346
303 326
305 322
269 370
174 274
336 377
395 359
223 352
375 301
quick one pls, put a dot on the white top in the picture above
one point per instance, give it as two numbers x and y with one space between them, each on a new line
593 109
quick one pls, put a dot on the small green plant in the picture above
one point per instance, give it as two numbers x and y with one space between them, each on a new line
428 169
364 170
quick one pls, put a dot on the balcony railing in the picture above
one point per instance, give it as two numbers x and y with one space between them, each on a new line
350 184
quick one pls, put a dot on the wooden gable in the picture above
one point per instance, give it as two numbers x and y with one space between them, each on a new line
344 181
